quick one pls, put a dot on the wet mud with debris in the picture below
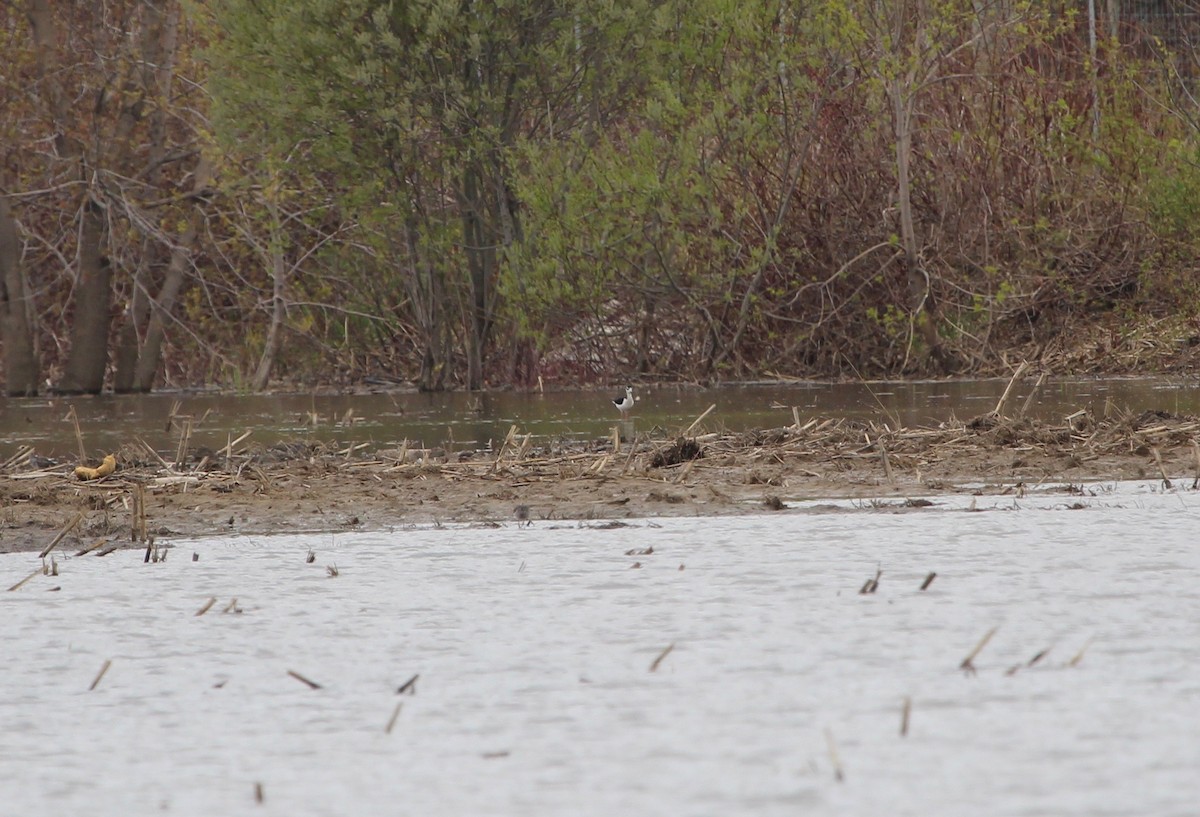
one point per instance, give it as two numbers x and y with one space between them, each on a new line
299 488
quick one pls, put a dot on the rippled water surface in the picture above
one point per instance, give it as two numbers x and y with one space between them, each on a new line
534 649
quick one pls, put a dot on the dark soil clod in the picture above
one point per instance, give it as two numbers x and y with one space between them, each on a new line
682 450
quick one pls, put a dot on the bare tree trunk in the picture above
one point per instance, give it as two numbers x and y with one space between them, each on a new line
159 41
21 364
125 355
279 274
478 274
427 303
84 369
176 280
86 362
920 296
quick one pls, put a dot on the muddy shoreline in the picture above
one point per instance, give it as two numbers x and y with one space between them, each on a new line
302 487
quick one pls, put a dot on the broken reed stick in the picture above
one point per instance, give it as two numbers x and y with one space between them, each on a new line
928 580
968 665
512 432
22 455
141 491
1017 667
1162 469
227 451
100 674
697 421
133 520
17 586
409 686
387 730
74 418
629 459
871 585
207 606
65 530
998 410
175 407
666 651
904 715
137 525
258 793
185 436
887 466
838 773
1196 451
599 465
1033 393
309 683
684 472
1079 655
154 454
1037 657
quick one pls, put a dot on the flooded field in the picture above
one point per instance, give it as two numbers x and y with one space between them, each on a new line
562 669
473 421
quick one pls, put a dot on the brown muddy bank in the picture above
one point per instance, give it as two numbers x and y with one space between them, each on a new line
303 487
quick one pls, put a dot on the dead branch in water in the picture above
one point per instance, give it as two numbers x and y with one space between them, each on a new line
1162 469
698 420
309 683
67 528
1032 393
998 411
883 456
1031 662
100 674
871 585
74 418
17 586
387 730
666 651
22 457
968 663
1074 662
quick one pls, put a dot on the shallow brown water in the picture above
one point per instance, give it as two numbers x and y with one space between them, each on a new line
465 420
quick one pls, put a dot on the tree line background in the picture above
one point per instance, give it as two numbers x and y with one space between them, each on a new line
474 193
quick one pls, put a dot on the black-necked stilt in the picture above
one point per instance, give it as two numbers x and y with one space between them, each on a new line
624 404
